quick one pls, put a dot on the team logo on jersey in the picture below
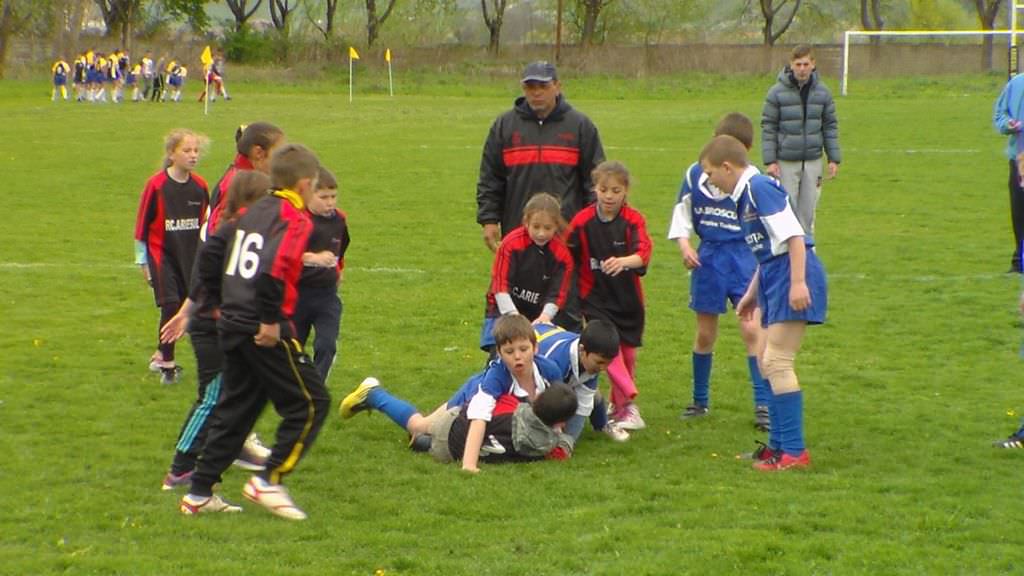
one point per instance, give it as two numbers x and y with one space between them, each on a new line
178 224
517 139
566 136
748 214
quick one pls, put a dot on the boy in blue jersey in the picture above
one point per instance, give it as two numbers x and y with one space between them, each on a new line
721 271
517 372
788 288
581 358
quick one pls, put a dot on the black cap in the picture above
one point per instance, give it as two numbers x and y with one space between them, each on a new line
540 71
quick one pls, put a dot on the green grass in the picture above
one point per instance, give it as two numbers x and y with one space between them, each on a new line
914 374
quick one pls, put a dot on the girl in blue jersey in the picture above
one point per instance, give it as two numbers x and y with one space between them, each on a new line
788 288
721 271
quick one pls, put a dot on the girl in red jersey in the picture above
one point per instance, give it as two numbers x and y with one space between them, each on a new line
611 249
254 143
171 213
532 269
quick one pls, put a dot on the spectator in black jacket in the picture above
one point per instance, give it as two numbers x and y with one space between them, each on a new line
541 145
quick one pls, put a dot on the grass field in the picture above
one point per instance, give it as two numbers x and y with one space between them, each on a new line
915 373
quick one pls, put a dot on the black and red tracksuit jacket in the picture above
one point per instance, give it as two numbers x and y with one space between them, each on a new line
170 217
262 266
532 275
524 155
219 194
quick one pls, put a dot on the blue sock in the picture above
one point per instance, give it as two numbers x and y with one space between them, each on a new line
701 378
395 408
762 390
774 437
790 408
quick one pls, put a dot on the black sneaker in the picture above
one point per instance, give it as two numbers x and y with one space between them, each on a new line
694 411
1014 441
762 453
170 375
761 420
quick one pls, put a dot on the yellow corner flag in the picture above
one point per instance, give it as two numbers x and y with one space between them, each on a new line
207 57
352 54
387 55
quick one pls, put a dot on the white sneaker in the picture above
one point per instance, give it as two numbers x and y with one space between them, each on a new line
273 497
629 418
192 505
613 431
253 456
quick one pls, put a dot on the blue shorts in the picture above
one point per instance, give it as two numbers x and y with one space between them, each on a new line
466 391
175 81
773 291
724 273
487 334
92 77
60 80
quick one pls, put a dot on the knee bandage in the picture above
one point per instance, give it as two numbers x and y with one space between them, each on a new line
777 367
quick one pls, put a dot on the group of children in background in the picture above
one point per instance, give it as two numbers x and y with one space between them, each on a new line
99 77
267 267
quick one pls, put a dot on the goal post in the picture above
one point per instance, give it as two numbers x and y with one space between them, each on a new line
850 34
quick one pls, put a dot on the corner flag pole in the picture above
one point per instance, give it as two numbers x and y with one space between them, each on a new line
207 59
391 83
352 56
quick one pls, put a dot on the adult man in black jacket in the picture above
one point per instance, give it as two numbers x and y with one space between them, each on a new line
541 145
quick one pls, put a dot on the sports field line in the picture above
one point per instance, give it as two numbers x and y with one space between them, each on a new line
925 151
14 266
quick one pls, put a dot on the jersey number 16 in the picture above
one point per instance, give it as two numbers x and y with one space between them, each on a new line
244 259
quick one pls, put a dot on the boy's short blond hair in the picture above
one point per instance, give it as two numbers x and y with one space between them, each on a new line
512 327
722 149
738 126
291 163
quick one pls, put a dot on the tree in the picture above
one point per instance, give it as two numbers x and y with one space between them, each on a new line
119 15
987 12
870 15
327 26
771 9
9 23
279 12
373 22
591 12
193 11
493 22
238 10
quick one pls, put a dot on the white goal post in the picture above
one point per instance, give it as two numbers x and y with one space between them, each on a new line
852 33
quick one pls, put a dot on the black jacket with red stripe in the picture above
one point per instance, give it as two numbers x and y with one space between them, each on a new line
524 155
532 275
263 265
618 299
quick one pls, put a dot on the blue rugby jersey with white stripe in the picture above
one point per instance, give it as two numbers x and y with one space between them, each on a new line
704 209
767 218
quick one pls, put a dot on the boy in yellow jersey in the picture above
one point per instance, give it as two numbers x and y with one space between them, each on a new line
60 70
